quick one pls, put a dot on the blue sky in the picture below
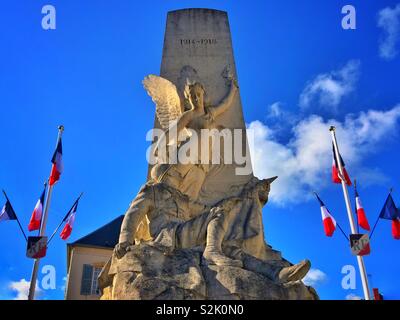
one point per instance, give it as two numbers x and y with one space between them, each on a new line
299 72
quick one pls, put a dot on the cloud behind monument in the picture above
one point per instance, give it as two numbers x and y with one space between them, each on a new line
389 22
303 163
315 277
327 90
21 289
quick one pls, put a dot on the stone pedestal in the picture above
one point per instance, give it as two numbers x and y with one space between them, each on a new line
149 272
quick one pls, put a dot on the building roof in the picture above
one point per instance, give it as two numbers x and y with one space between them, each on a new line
104 237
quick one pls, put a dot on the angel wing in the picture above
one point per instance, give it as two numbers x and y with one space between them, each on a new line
168 104
165 95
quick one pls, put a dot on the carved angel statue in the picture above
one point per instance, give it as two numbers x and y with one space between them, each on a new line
179 118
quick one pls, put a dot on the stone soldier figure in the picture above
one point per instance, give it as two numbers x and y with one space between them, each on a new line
160 214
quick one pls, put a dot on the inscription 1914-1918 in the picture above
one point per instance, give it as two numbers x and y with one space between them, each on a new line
205 41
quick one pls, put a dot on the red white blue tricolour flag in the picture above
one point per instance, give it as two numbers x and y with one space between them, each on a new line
58 166
328 220
69 219
335 170
36 218
361 216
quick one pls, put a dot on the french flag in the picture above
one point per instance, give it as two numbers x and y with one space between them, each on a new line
69 219
396 228
361 216
335 170
36 218
7 212
328 220
58 166
391 212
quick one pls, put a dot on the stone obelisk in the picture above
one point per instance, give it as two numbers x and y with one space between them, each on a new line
198 46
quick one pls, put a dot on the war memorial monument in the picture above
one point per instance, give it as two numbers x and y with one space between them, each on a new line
195 228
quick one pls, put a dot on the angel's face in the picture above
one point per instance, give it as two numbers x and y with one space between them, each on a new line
197 94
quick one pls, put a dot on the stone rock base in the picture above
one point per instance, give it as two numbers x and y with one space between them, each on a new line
150 272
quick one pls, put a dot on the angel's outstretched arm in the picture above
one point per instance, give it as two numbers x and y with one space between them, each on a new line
172 133
227 102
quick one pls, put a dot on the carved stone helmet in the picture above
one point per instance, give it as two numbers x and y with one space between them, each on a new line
166 173
265 189
158 172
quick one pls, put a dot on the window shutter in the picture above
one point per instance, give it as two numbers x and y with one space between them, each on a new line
86 282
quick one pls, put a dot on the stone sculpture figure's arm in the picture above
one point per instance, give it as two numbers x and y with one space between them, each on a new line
139 207
227 101
175 130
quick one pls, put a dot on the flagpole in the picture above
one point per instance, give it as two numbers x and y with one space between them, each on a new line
360 260
32 286
355 207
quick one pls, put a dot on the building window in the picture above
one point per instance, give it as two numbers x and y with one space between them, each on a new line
89 283
95 284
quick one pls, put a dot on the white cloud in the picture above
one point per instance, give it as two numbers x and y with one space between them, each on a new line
389 21
303 164
315 277
21 287
328 89
353 296
275 110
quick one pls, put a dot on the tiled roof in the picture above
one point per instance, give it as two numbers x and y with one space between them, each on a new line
106 236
